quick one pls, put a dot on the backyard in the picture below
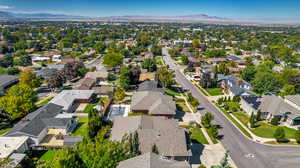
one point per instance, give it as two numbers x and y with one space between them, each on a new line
82 127
48 156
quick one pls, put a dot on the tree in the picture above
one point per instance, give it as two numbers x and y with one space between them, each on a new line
252 120
185 60
125 77
134 75
248 73
166 77
149 64
95 123
18 101
66 158
119 94
56 80
274 121
297 135
202 166
279 134
206 119
258 115
100 47
73 70
27 77
213 130
133 141
288 89
6 61
266 82
223 68
224 162
113 59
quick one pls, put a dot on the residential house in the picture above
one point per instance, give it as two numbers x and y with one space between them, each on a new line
71 99
234 86
286 110
103 90
165 134
70 60
151 160
99 76
13 148
7 81
147 55
206 77
38 124
149 85
215 61
45 73
153 103
86 84
40 58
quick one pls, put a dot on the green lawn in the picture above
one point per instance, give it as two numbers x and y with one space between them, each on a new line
213 139
181 105
48 156
197 135
235 122
243 117
82 127
5 130
267 130
159 61
214 91
172 92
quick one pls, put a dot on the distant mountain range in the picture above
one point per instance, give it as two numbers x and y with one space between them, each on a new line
198 17
145 18
12 15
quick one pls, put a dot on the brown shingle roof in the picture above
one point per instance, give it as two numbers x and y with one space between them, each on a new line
151 160
165 133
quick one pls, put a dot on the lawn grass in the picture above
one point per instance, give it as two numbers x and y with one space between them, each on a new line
197 135
172 92
48 156
266 130
282 143
159 61
213 139
214 91
235 122
82 127
181 105
4 130
241 116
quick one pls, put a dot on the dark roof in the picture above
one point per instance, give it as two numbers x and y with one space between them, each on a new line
149 85
46 72
234 58
34 123
151 160
254 101
7 80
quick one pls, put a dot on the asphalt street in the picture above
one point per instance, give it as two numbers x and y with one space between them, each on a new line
244 152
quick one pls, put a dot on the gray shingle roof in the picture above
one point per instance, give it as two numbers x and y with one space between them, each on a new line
154 102
151 160
149 85
165 133
72 140
34 123
294 99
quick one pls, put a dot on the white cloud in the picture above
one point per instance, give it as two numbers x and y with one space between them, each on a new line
4 7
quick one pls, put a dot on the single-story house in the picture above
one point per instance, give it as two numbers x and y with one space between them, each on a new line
86 84
99 76
13 148
234 86
149 85
70 99
103 90
10 145
39 58
6 81
272 106
151 160
37 124
153 103
45 73
165 134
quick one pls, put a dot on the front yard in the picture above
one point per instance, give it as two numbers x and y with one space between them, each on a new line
214 91
198 136
267 130
181 105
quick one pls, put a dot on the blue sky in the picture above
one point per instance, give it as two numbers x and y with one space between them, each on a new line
271 9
